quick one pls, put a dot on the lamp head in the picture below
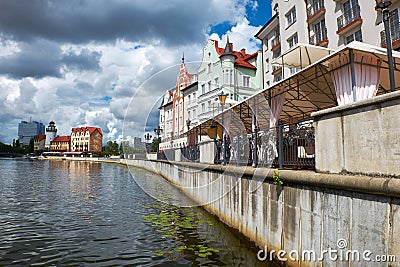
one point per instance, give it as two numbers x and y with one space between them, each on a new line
222 97
383 4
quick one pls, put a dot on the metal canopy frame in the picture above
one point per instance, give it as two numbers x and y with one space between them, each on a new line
310 89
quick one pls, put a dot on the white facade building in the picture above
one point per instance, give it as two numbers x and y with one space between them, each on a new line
235 73
327 23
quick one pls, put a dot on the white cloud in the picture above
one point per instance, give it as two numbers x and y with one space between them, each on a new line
142 69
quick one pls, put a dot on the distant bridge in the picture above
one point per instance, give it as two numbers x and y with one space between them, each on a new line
10 155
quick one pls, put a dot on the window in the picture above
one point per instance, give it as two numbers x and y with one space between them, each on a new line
320 33
194 97
209 68
203 108
189 115
276 53
394 24
216 81
231 77
294 70
291 16
293 40
188 99
209 105
203 89
226 76
194 113
278 77
209 86
246 81
356 36
351 10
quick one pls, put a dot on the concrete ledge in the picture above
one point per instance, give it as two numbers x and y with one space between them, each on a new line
386 186
363 103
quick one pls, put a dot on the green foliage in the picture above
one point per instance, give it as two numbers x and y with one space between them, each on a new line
277 179
15 148
178 224
154 145
112 148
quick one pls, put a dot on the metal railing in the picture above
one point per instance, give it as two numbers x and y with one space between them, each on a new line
315 6
191 153
319 36
348 16
394 34
285 146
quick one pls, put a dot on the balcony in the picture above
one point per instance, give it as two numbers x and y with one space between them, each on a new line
349 20
394 34
276 70
319 38
316 10
275 43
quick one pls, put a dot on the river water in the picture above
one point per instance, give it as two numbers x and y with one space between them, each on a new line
70 213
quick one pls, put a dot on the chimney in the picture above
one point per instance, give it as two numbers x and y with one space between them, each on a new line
243 51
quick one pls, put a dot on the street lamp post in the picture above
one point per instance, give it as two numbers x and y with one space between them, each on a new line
222 99
147 137
157 131
384 5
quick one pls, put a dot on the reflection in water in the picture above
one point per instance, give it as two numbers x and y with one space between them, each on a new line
80 213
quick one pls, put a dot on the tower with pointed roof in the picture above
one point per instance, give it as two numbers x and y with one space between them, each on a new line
236 73
51 133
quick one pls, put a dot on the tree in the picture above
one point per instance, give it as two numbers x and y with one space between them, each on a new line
154 145
115 148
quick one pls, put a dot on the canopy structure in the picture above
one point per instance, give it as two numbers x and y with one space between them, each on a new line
315 86
302 55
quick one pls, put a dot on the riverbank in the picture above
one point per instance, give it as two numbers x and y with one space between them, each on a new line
308 212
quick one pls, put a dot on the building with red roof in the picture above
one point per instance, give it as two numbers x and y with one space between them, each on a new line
235 73
39 142
172 110
61 144
86 139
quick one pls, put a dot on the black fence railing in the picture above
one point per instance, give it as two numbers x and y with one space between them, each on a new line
315 6
319 36
285 146
190 153
166 155
348 16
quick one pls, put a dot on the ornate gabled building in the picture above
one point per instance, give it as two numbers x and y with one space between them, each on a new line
173 113
235 73
86 139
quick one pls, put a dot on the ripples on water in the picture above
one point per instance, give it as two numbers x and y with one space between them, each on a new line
68 213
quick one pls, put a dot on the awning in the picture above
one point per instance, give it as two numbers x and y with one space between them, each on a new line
311 89
302 55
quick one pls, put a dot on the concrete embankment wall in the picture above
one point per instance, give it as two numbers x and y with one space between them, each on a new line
362 137
311 211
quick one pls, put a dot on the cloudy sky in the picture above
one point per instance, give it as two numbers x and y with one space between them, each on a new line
84 62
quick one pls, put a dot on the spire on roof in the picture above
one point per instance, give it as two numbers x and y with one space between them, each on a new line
183 57
228 49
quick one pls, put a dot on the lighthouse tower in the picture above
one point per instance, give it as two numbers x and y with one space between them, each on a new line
51 133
